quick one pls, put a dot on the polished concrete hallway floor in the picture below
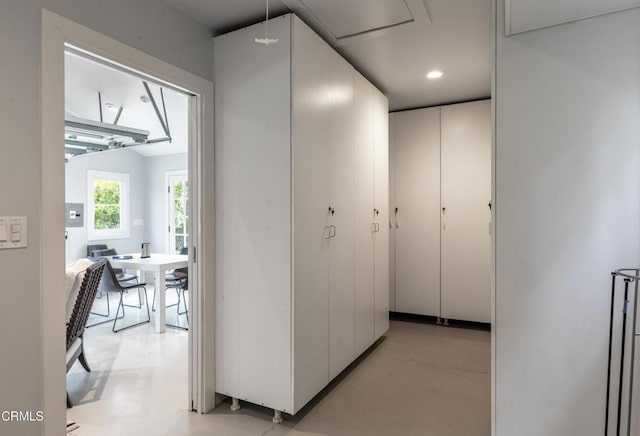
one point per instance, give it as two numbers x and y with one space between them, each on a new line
421 380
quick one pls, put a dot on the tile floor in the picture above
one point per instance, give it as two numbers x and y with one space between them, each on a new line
421 380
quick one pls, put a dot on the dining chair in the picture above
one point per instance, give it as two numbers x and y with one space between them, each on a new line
178 279
120 274
111 284
181 287
173 280
77 319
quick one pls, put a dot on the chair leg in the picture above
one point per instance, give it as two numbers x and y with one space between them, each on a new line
117 312
186 312
82 358
108 308
186 309
139 306
136 324
108 311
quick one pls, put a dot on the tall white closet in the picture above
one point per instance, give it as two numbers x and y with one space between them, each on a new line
302 266
441 190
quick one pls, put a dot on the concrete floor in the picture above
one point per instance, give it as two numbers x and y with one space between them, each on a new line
420 380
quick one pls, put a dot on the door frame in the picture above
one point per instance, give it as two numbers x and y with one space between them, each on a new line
57 33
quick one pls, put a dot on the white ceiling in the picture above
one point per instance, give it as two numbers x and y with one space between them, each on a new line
450 35
84 78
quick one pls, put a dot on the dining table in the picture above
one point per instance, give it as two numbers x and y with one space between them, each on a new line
158 264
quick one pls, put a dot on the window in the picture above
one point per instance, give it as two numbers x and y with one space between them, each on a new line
108 195
178 190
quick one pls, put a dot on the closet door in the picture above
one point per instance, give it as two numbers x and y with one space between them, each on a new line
381 255
341 216
466 192
310 201
253 217
392 218
364 213
417 221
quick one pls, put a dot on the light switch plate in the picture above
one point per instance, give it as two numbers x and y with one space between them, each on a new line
11 223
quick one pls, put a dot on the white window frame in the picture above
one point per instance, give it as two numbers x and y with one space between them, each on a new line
94 234
169 177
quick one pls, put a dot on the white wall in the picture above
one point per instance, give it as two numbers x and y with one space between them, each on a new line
157 221
121 161
147 198
142 24
567 213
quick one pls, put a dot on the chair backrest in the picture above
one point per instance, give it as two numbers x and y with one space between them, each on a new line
109 282
86 295
95 247
104 252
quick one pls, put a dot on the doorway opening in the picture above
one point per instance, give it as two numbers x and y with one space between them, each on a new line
58 36
126 188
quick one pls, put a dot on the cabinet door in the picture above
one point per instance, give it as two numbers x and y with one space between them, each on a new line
341 195
466 192
253 218
381 254
310 201
417 221
392 218
364 213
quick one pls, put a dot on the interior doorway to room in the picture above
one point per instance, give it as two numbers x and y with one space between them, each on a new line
127 178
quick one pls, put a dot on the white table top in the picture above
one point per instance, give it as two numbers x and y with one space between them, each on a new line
157 262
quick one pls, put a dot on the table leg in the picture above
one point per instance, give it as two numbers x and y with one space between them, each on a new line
161 304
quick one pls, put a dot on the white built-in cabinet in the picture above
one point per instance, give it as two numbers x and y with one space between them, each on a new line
441 192
302 235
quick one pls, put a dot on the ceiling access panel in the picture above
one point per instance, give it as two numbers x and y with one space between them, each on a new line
355 17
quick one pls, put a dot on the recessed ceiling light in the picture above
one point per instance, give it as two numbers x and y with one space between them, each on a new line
112 107
435 74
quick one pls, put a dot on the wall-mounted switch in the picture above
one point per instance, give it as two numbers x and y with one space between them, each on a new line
13 232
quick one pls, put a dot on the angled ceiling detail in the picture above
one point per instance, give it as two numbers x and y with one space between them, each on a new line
358 16
86 79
